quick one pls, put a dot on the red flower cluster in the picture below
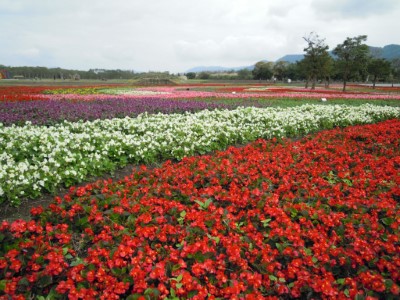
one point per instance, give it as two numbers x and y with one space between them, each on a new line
28 93
314 218
23 93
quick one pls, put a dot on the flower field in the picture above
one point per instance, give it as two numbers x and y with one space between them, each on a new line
38 158
317 218
183 92
53 111
305 206
91 93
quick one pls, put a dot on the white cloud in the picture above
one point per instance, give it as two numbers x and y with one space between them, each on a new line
354 8
31 52
177 35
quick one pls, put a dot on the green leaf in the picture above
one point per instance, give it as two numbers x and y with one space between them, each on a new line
182 214
215 238
265 222
178 285
273 278
203 205
340 281
279 247
347 293
24 282
207 203
176 267
314 259
348 182
388 283
3 284
293 212
387 221
152 291
191 294
172 292
82 221
76 262
179 278
281 279
44 281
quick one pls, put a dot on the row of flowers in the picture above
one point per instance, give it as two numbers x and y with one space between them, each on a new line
316 218
29 93
181 92
54 111
188 92
40 158
333 89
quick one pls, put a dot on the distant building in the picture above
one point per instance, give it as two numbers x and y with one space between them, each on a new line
4 74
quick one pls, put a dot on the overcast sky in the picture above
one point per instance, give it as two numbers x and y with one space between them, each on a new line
176 35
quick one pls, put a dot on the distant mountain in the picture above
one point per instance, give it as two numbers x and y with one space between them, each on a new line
388 52
291 58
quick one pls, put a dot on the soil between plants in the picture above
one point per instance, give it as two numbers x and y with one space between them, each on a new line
11 213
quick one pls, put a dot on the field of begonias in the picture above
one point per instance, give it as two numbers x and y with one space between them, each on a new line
248 199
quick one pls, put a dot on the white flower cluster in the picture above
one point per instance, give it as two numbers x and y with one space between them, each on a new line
125 91
38 158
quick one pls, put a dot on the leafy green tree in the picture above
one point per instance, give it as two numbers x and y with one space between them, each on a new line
378 67
317 63
244 74
204 75
327 68
191 75
293 71
262 70
352 58
395 70
279 69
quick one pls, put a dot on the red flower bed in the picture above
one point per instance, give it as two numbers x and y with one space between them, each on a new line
28 93
23 93
314 218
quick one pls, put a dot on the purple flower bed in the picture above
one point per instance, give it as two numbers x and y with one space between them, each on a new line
55 111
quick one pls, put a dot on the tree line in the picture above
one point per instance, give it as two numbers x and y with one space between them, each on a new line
349 61
38 73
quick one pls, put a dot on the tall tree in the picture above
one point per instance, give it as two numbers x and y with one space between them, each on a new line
316 61
352 58
191 75
378 67
279 69
244 74
262 70
395 70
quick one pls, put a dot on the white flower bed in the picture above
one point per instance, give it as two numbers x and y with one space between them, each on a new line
136 92
38 158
